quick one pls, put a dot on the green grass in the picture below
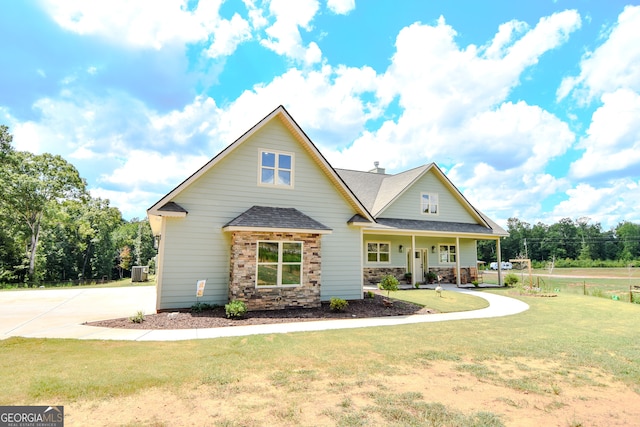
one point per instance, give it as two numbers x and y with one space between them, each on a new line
570 340
598 282
576 332
448 302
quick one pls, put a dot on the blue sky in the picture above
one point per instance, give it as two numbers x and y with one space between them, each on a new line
531 108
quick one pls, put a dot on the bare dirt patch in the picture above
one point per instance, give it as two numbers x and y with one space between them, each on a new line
303 397
216 317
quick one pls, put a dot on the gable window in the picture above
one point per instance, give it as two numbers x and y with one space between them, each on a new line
279 263
378 251
447 254
276 168
429 203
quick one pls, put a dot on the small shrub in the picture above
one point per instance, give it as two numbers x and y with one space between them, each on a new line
338 304
369 294
138 317
511 279
235 309
475 283
417 285
389 283
199 307
432 276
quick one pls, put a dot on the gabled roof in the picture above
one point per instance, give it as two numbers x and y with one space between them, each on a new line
265 217
280 113
378 191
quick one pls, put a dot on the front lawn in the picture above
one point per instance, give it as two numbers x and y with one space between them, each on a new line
570 360
446 302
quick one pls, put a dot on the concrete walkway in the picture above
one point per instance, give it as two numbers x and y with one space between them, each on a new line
60 313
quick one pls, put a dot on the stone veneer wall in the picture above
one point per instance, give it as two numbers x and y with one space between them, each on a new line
373 275
448 274
242 281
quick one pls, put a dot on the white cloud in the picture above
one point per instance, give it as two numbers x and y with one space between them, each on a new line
26 137
612 142
336 115
228 35
152 25
141 167
341 7
283 36
613 65
608 204
131 203
452 100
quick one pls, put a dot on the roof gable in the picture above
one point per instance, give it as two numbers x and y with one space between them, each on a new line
281 114
380 191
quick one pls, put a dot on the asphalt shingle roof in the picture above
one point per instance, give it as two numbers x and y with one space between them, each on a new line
172 207
440 226
270 217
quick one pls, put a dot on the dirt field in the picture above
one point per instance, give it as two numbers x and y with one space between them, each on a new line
303 398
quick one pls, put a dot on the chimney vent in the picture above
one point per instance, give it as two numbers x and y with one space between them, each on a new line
376 168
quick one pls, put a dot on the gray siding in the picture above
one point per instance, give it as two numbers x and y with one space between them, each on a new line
407 206
197 248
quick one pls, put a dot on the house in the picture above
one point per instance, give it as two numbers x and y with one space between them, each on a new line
269 221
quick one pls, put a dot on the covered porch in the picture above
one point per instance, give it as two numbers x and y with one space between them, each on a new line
423 252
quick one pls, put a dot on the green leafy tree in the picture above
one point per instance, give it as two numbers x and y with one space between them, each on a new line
32 186
629 235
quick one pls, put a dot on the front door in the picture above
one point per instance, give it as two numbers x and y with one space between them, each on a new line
420 264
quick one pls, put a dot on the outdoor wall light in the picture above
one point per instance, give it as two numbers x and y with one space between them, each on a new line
433 249
400 248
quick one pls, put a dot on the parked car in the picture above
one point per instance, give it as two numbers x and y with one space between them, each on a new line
505 265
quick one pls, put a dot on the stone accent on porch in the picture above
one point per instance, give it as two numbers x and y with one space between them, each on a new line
373 275
448 274
242 281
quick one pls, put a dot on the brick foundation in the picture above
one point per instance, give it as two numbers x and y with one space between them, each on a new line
242 281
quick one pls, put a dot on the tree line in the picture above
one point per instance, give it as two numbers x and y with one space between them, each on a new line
567 242
52 230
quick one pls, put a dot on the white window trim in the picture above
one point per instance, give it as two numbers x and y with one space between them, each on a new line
437 197
279 263
366 250
449 246
275 173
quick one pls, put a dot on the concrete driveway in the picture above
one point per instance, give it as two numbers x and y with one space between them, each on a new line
60 313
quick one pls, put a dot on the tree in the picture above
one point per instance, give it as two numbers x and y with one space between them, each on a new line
629 235
32 185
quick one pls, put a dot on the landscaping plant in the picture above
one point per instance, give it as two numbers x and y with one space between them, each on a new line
338 304
235 309
138 317
389 283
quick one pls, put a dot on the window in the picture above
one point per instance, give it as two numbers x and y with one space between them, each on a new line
276 169
279 263
447 254
429 203
378 252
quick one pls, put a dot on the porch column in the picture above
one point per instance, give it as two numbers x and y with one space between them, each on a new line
498 250
413 260
457 261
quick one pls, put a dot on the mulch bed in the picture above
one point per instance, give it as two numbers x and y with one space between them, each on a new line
216 318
